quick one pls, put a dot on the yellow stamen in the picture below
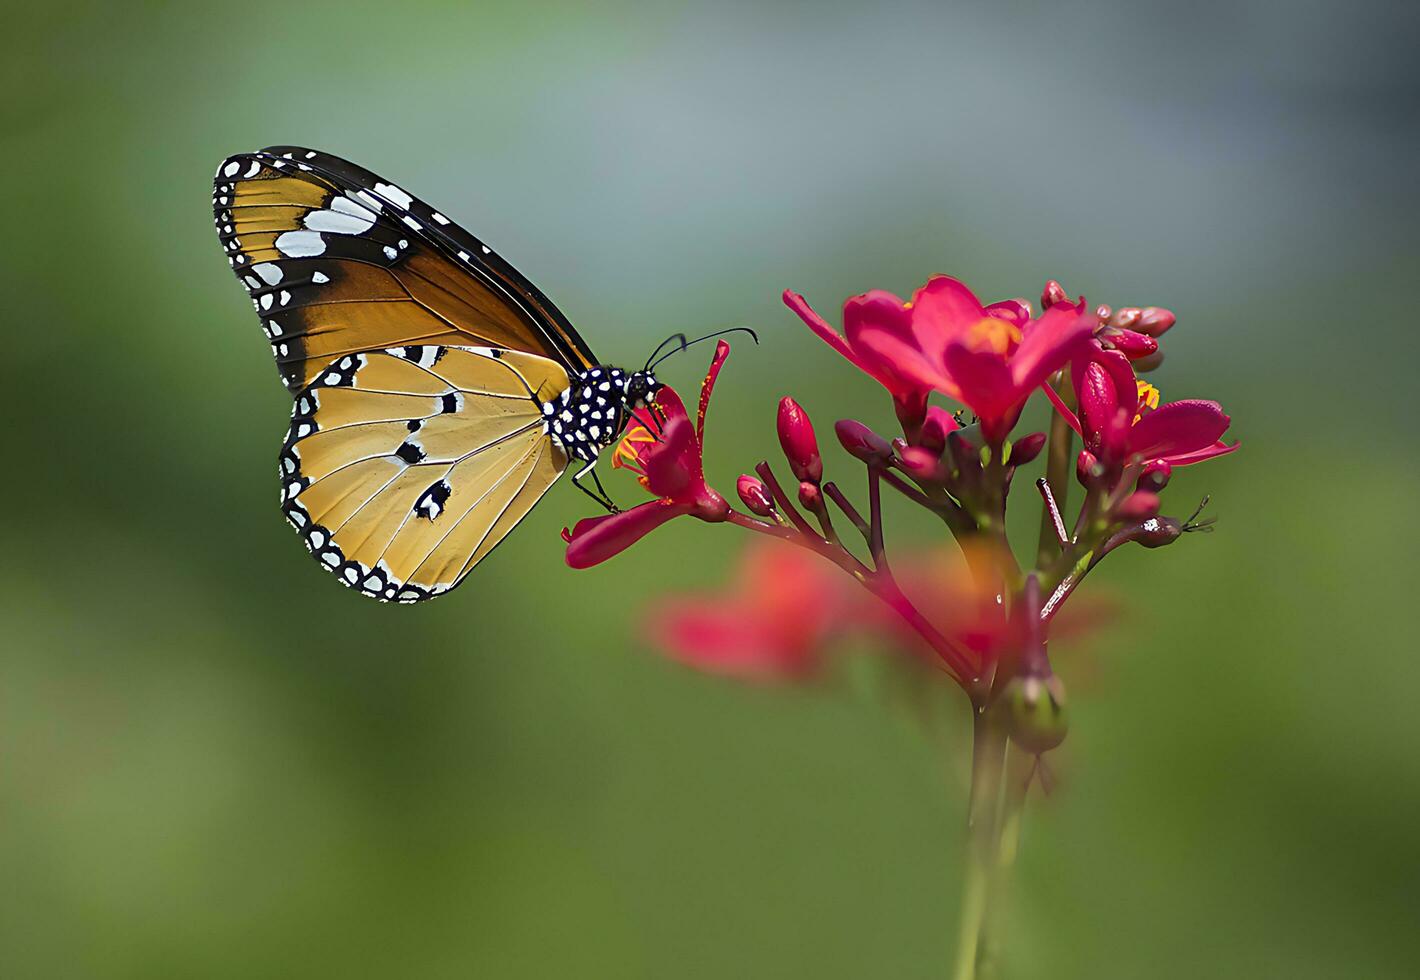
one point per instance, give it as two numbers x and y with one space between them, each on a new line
1148 398
993 334
626 454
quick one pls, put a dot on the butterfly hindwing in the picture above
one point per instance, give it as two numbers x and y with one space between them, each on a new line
405 467
339 261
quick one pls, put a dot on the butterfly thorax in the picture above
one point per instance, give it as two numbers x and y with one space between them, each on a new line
594 409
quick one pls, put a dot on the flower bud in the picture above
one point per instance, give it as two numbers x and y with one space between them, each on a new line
921 464
1052 294
1159 531
862 442
1155 476
796 435
1154 320
755 495
1087 468
1103 313
1126 317
810 496
1148 362
1026 448
1035 709
1138 506
934 431
1133 345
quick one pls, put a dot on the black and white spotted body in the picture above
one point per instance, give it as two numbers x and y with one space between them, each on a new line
592 412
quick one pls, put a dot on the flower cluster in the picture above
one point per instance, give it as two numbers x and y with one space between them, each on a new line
986 626
988 359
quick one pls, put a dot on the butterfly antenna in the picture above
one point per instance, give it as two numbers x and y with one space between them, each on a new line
673 338
657 357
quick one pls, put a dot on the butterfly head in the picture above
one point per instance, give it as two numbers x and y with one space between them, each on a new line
641 388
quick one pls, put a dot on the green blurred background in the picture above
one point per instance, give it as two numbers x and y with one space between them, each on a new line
216 763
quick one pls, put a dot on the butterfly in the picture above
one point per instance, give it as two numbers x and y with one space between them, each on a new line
438 393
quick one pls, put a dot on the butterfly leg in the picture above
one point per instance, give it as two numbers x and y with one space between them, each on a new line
599 494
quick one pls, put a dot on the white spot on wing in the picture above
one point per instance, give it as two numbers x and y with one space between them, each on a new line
269 271
300 244
392 193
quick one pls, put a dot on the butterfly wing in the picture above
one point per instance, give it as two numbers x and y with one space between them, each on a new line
338 260
405 467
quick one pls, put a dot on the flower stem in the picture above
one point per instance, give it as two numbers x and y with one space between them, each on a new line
1020 767
983 826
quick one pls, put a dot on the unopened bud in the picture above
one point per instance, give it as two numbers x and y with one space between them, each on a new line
755 495
934 431
1126 317
862 442
1155 476
1087 468
1026 448
1036 711
1052 294
1159 531
1154 320
921 464
810 496
1148 362
1134 345
1139 506
796 435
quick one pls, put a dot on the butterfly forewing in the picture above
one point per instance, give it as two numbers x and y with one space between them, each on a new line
404 467
339 261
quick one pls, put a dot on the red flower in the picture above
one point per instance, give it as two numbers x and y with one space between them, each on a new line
773 625
990 358
665 451
1121 420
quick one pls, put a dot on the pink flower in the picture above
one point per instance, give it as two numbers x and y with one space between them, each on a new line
989 358
773 625
665 451
1122 422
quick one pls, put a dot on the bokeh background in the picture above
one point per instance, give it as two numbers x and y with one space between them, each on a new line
216 763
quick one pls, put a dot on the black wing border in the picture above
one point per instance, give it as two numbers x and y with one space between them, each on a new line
461 248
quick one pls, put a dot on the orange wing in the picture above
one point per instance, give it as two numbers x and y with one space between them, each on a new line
338 261
405 467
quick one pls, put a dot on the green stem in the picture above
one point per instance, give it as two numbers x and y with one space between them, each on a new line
987 764
991 946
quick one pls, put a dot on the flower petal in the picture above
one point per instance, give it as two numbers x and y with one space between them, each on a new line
1013 311
672 463
943 310
595 539
1178 428
1219 448
1062 408
900 365
876 308
984 380
818 324
722 351
1048 343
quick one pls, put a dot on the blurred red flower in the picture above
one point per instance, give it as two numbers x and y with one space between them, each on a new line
773 624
